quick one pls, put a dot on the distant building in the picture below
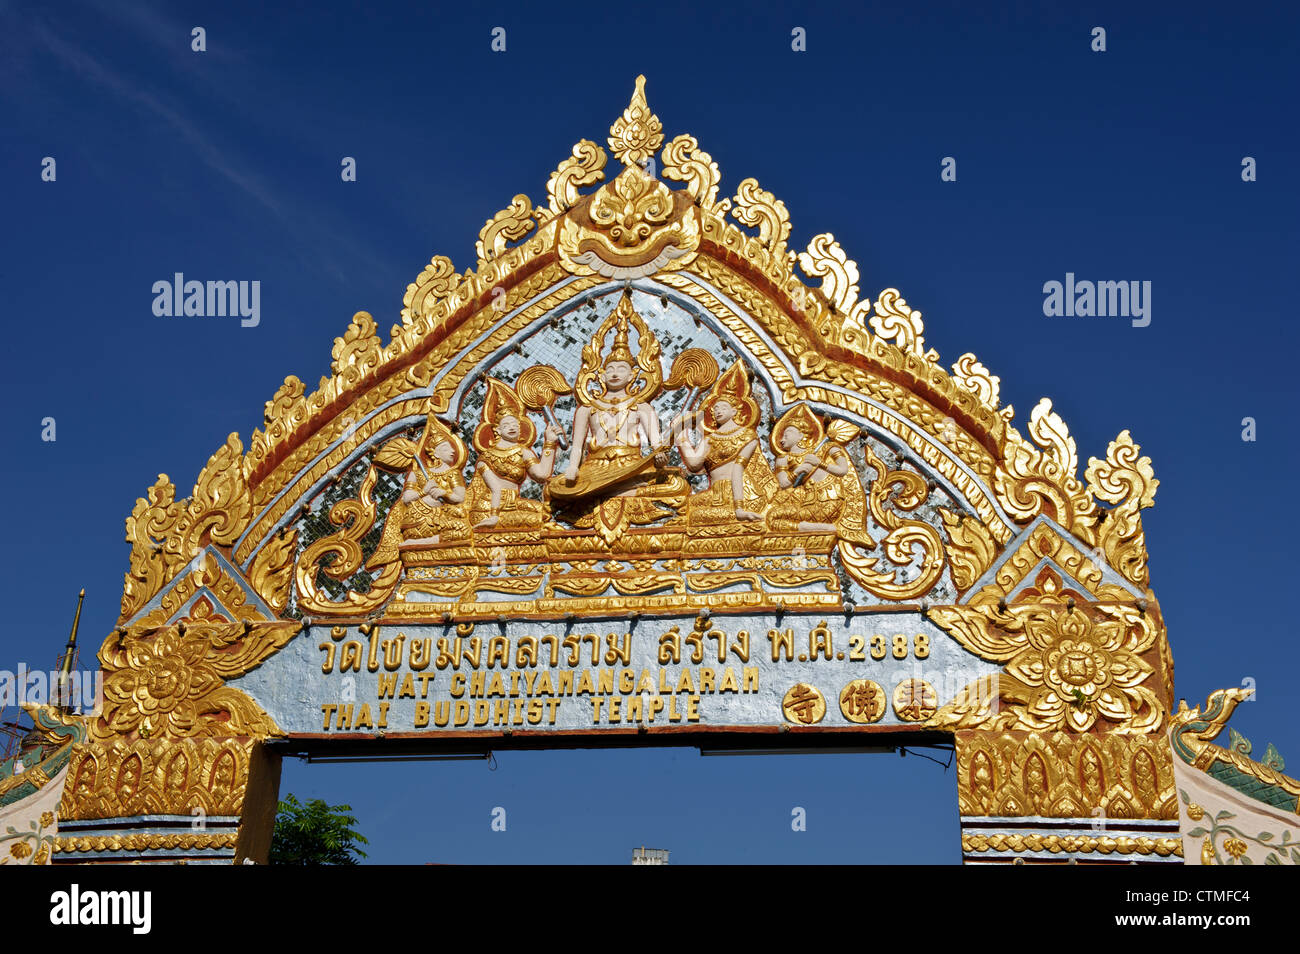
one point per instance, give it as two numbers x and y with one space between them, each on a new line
649 856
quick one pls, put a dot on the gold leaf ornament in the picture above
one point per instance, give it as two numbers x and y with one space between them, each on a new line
432 285
893 319
165 534
509 225
286 409
220 505
1124 475
585 167
990 633
1035 481
271 573
975 378
356 517
637 134
909 490
151 522
1127 480
684 161
1050 433
839 274
758 208
971 548
359 352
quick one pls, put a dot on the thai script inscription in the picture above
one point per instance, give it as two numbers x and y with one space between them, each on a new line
470 679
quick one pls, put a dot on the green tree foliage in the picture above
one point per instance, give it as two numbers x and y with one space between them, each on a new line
315 834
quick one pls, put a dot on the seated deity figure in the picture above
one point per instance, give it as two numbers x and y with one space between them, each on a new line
504 440
434 494
617 473
740 480
819 488
431 508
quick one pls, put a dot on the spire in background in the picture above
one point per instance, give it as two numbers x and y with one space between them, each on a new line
70 651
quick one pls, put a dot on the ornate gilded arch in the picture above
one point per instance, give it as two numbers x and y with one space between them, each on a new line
920 502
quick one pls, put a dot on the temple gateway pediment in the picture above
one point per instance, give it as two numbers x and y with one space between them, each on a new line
644 474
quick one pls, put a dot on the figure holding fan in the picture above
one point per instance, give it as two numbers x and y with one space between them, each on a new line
504 442
819 488
431 508
740 480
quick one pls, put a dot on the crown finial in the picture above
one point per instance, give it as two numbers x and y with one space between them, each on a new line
637 134
622 350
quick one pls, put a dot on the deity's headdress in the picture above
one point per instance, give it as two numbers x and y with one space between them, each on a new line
732 387
802 419
402 453
647 372
436 432
621 350
501 402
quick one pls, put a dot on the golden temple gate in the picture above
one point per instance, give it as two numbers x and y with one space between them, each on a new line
644 475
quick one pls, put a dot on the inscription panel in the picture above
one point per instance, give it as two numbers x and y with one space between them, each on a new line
525 676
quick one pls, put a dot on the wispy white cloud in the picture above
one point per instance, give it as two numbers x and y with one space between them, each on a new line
78 60
315 239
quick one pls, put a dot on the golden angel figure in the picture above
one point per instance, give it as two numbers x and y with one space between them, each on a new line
740 480
431 508
819 488
504 441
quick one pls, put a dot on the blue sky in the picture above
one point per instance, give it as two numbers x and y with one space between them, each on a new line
1122 165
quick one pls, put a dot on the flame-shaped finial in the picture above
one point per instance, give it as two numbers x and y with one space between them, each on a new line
637 134
732 387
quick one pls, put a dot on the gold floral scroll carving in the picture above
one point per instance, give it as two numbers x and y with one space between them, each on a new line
169 682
